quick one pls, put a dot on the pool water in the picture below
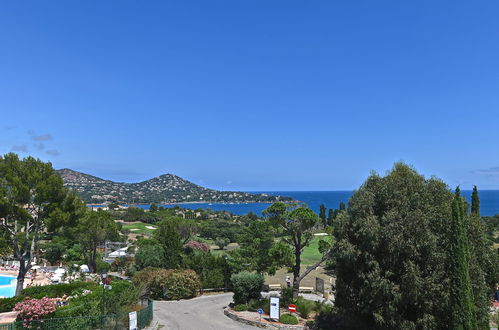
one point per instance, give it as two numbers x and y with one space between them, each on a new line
7 286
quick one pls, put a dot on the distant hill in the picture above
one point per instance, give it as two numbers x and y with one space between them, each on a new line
167 188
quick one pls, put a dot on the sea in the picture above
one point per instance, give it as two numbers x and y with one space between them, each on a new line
489 201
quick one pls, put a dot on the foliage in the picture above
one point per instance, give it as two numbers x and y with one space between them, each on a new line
54 251
211 268
30 193
222 242
258 250
288 319
74 255
286 296
121 264
246 286
168 284
197 246
93 230
149 256
392 253
7 304
168 237
241 308
58 290
220 228
296 225
304 307
461 304
34 309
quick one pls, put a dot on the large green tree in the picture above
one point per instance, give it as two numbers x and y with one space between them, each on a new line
296 226
30 193
461 299
391 251
258 249
475 202
168 237
94 229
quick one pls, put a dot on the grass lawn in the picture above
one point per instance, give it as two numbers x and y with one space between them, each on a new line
311 254
139 228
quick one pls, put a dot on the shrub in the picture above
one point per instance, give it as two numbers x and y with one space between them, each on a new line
255 304
169 284
222 242
149 256
34 309
288 319
304 307
58 290
195 245
246 285
286 296
241 308
7 304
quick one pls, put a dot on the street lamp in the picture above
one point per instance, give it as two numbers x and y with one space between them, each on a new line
225 273
104 277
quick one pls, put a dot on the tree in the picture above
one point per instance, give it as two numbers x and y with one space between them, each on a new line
95 228
222 242
461 300
54 251
30 192
149 256
330 217
153 207
322 215
475 202
168 237
296 225
258 251
391 253
342 206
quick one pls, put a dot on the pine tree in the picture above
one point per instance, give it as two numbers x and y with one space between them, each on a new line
330 217
475 202
461 298
342 206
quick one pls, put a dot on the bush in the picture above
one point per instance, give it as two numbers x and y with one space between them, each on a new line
286 296
304 307
288 319
7 304
34 309
241 308
246 286
58 290
149 256
255 304
169 284
195 245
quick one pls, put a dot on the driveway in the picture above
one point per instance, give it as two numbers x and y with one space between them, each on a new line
205 312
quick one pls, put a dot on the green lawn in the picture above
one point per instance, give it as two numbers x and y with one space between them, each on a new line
311 254
140 228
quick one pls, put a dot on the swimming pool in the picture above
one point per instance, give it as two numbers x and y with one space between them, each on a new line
7 286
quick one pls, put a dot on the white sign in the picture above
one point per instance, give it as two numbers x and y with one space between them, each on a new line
274 308
132 317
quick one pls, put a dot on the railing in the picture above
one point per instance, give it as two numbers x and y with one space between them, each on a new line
107 322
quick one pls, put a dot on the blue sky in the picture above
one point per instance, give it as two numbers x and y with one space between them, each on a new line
253 95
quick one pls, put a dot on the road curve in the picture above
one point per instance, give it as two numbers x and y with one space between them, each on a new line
205 313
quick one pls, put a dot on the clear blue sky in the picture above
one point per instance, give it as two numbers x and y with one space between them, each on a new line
254 95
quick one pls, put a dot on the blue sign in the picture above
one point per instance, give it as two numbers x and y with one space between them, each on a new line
260 311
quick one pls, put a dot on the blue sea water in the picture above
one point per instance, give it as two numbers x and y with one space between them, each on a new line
489 201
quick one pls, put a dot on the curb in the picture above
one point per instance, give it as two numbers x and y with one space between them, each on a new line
237 318
153 326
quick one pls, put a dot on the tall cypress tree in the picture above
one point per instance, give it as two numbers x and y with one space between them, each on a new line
330 217
322 214
461 298
475 202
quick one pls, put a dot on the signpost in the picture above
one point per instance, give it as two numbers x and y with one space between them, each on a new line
292 308
274 308
132 320
260 311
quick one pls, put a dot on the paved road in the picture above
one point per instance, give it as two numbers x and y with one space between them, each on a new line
205 312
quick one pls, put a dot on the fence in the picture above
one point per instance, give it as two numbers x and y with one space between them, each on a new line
106 322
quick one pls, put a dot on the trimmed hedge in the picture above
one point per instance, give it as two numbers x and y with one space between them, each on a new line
58 290
241 308
169 284
288 319
246 286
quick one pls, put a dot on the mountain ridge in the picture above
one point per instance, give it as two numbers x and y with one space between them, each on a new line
165 188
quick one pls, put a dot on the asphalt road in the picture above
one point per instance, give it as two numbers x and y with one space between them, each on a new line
205 313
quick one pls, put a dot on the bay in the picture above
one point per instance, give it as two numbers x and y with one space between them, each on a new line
489 201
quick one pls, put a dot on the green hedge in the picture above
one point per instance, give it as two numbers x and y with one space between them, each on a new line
288 319
58 290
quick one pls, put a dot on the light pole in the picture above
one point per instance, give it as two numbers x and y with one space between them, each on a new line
225 273
104 277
